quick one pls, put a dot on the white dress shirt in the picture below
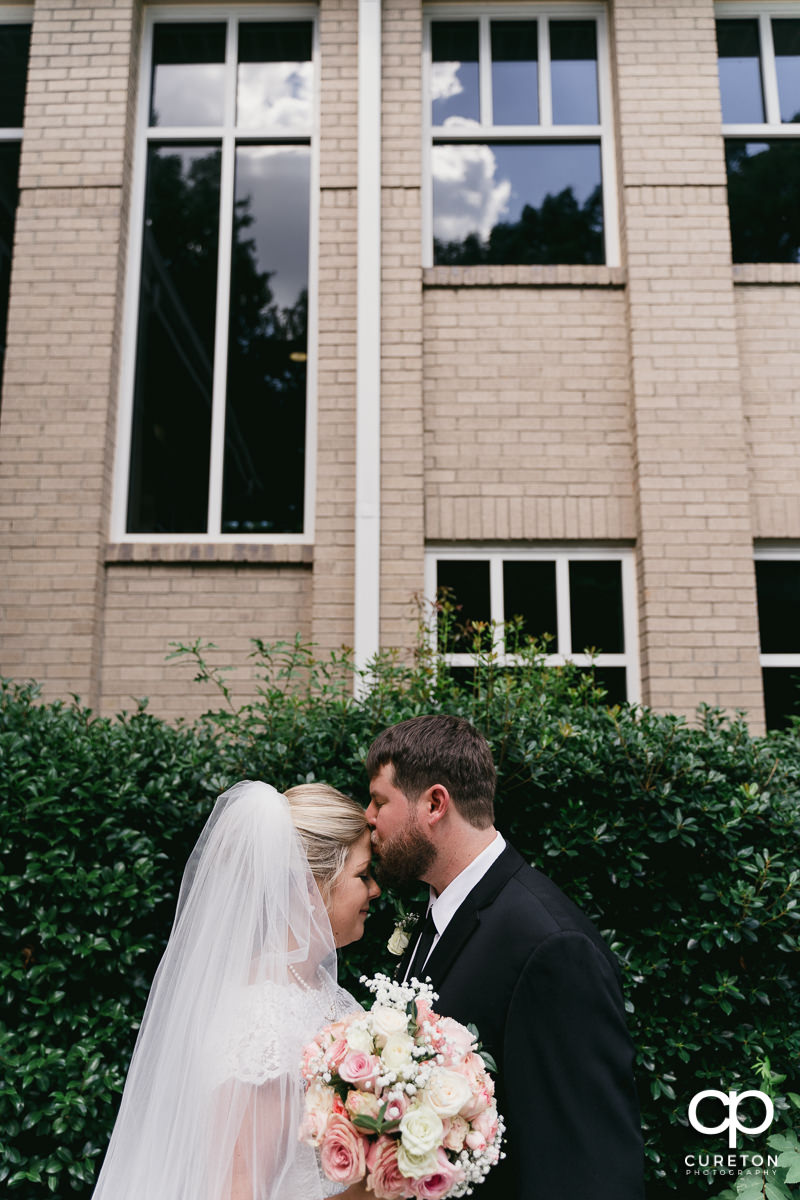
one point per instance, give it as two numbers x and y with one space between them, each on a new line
444 906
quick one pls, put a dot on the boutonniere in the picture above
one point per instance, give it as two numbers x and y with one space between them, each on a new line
401 934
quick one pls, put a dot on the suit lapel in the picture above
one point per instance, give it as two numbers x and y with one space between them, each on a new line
421 911
467 916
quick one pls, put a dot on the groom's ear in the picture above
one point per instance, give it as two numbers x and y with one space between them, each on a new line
437 803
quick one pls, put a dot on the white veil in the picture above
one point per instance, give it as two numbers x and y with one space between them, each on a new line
213 1098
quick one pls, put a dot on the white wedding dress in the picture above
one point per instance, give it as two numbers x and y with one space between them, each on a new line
214 1095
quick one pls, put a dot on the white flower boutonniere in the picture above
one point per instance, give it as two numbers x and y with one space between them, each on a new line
401 934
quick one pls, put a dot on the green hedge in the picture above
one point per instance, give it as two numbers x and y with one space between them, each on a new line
682 843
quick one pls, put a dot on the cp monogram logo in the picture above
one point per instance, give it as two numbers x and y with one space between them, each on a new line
731 1101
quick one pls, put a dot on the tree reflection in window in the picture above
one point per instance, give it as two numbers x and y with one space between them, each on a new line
268 336
764 199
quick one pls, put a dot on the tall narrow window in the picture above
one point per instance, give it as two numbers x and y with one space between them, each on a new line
218 426
759 75
581 601
519 137
778 590
14 47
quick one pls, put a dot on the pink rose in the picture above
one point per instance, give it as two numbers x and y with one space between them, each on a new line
486 1123
362 1104
481 1085
475 1140
459 1040
360 1068
310 1053
397 1106
342 1152
455 1130
439 1183
336 1054
425 1014
384 1178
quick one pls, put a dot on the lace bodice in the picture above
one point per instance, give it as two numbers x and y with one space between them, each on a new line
271 1023
266 1028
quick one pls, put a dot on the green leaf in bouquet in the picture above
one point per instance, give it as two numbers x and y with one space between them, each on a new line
489 1062
362 1121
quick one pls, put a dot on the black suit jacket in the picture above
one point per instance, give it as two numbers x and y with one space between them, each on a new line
521 962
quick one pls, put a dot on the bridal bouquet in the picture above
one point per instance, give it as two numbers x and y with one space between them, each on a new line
401 1097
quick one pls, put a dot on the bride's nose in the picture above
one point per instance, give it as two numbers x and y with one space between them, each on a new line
374 890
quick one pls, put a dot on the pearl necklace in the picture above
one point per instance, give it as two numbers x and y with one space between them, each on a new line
331 1013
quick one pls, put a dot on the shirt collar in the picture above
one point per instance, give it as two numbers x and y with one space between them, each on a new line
444 906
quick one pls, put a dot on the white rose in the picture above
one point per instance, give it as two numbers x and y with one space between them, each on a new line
359 1039
421 1131
446 1092
398 942
386 1022
396 1053
416 1166
319 1098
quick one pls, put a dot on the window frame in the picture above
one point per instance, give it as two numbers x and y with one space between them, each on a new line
545 131
228 138
763 11
786 553
13 14
561 556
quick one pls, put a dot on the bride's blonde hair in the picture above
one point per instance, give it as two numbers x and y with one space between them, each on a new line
329 823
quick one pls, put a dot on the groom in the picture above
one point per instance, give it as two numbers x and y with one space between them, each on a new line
506 949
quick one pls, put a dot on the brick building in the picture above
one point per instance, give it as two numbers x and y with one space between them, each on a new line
312 308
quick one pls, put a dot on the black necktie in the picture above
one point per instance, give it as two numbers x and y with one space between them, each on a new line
423 948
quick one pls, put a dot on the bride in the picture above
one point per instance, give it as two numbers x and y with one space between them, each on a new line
214 1097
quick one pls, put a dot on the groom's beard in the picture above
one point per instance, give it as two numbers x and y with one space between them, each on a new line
404 858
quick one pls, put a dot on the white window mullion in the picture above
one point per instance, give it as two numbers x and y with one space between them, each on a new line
608 157
224 259
563 616
485 71
769 76
427 150
545 87
633 677
496 602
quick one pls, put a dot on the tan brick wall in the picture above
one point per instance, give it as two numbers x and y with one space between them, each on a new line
768 320
334 535
527 415
402 491
61 361
148 606
698 620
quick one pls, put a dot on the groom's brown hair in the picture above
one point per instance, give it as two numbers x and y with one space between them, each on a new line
439 749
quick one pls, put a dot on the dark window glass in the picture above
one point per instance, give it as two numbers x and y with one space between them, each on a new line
573 72
764 199
468 583
781 695
265 420
740 72
455 89
529 591
9 172
613 680
275 76
497 202
595 596
188 74
175 351
778 589
14 46
515 73
786 36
